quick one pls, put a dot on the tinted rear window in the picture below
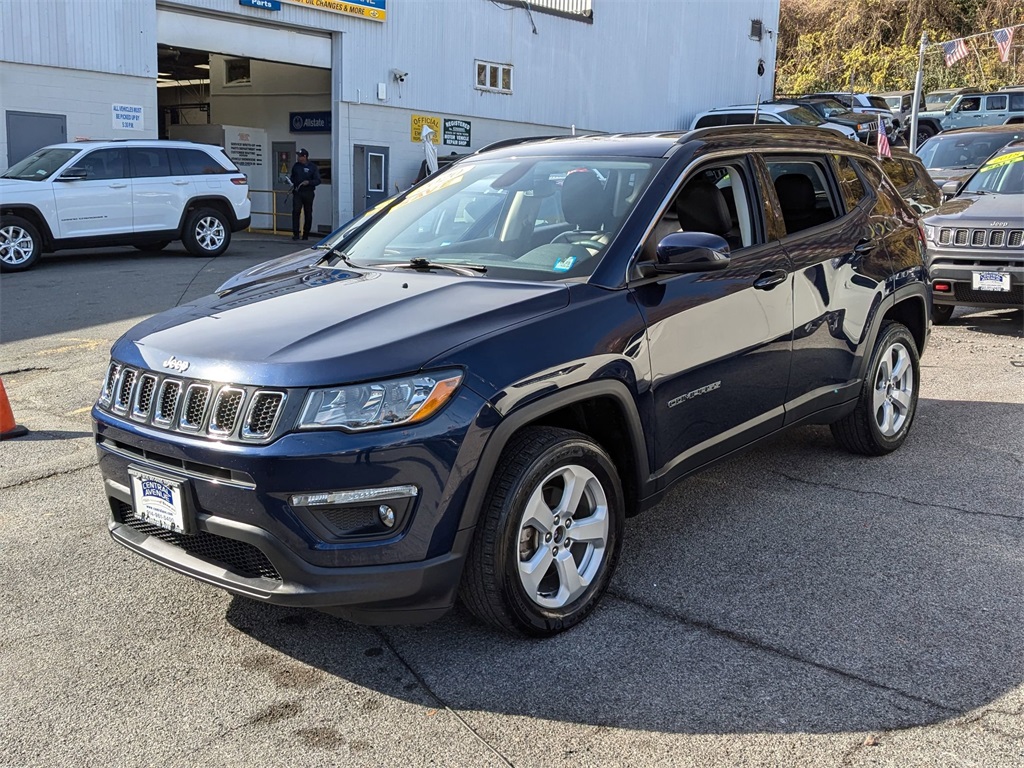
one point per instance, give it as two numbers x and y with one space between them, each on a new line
148 162
709 120
195 162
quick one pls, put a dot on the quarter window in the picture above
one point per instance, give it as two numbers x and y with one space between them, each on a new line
850 182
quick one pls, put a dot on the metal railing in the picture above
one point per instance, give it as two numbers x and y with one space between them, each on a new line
275 210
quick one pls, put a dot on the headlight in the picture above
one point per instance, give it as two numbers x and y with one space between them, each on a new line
929 233
379 404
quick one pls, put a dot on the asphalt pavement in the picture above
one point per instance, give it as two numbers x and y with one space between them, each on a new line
794 606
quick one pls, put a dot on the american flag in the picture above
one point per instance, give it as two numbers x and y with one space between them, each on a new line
954 51
1004 39
882 141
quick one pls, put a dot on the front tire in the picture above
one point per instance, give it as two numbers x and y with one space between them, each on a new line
20 244
888 399
206 232
548 537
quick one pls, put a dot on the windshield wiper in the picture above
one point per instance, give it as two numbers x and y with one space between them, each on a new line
425 265
334 252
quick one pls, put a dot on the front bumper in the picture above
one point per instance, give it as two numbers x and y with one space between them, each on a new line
249 540
956 268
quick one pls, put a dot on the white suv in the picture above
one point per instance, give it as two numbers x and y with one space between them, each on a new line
99 193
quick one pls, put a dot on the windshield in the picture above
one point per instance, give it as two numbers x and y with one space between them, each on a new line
877 102
894 102
968 151
546 218
832 107
1002 175
800 116
40 165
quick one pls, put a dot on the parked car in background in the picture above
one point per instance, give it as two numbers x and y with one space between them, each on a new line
955 155
937 101
901 104
145 193
976 239
908 174
971 110
769 114
384 422
832 111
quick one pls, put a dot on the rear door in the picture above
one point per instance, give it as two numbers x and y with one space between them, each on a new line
159 192
99 204
833 239
720 342
996 109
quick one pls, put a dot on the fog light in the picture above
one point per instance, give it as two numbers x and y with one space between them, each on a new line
386 515
942 287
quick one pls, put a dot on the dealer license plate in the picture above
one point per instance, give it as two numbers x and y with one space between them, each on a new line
157 500
991 281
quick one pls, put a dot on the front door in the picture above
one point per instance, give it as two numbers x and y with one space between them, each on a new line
720 342
370 170
99 204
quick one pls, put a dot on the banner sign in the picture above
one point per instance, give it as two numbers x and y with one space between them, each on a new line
265 5
457 133
127 117
374 10
309 122
418 121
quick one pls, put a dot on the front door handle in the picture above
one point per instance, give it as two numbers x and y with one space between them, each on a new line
768 280
179 182
117 186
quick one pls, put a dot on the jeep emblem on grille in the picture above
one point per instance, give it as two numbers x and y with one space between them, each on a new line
175 364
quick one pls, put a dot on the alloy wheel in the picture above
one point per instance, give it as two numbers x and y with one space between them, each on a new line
16 245
563 536
210 233
894 390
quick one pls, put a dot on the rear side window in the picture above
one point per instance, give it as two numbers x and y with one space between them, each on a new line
148 162
995 103
195 162
802 189
849 182
741 119
709 120
1017 102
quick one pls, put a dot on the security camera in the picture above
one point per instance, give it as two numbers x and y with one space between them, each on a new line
399 75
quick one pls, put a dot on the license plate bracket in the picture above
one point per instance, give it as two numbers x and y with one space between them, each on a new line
991 281
160 500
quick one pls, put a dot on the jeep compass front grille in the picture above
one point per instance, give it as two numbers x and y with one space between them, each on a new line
223 411
981 238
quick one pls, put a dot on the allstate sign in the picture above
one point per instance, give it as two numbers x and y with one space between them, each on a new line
309 122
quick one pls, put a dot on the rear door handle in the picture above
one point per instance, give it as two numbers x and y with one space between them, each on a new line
179 182
118 186
768 280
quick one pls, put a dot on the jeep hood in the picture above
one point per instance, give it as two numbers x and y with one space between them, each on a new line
319 326
987 211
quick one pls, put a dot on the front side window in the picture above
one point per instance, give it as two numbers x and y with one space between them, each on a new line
969 104
801 186
530 218
40 165
104 164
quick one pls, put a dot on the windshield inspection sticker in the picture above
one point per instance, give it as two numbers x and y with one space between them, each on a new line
1007 159
564 265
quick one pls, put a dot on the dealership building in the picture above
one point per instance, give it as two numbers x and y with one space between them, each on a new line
363 84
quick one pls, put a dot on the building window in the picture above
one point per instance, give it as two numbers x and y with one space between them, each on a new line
237 72
494 77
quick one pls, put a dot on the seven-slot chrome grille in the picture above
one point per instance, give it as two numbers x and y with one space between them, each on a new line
981 238
222 411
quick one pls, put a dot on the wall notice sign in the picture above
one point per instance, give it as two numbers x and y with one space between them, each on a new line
456 133
418 121
245 149
127 117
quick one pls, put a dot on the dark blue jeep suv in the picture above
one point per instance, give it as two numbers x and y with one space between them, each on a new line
465 391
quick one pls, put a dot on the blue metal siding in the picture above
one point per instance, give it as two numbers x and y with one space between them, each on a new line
113 36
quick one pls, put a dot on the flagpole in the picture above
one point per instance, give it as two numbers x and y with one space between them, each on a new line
918 87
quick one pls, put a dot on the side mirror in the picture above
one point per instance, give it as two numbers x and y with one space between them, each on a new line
682 252
950 188
75 173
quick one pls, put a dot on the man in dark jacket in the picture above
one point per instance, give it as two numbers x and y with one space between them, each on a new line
305 178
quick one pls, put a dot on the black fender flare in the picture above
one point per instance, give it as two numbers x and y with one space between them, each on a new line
197 202
502 433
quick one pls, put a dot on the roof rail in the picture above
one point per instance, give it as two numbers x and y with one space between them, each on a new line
519 140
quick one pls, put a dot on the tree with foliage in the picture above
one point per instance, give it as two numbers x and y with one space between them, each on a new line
825 45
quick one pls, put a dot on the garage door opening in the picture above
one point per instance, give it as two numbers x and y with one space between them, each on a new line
262 112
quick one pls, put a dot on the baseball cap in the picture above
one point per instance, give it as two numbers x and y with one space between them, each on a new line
304 152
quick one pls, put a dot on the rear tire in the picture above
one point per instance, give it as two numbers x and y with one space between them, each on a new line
157 246
941 313
549 534
206 232
20 244
888 399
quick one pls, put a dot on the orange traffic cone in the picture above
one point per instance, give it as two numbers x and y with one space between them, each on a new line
8 428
